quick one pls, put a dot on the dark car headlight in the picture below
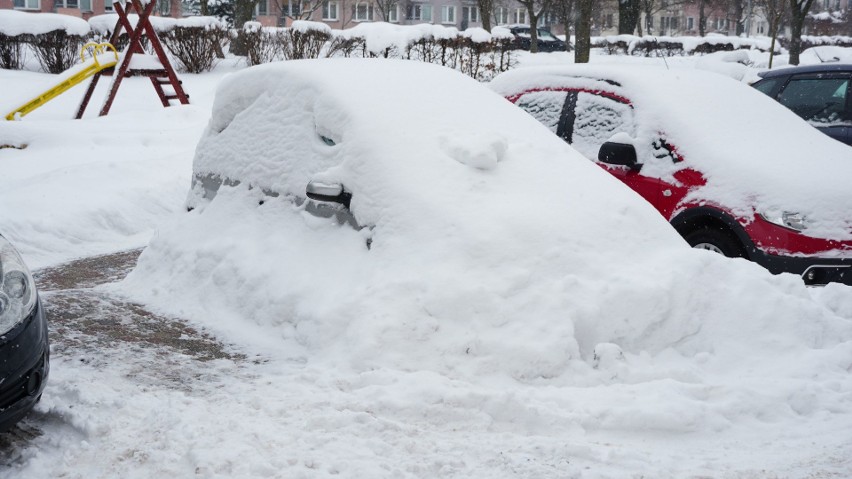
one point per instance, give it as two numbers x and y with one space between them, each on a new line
17 288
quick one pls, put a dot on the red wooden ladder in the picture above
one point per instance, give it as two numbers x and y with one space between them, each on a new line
160 76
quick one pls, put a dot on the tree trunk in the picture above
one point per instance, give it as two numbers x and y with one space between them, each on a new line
566 12
628 16
486 8
798 13
583 31
702 18
739 9
533 31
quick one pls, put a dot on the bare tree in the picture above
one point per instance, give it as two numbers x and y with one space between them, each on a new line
583 31
384 8
653 7
535 8
798 12
486 9
297 9
775 12
564 10
628 16
243 12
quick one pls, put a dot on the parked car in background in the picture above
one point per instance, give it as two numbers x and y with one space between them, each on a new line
782 198
820 94
547 42
24 353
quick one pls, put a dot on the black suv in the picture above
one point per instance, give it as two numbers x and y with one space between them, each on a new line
820 94
547 42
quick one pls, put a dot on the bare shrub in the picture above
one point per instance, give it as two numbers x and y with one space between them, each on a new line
345 47
12 52
261 45
299 44
195 47
57 51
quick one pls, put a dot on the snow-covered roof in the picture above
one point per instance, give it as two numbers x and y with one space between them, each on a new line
754 152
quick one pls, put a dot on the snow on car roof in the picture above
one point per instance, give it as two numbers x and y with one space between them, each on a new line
419 126
754 152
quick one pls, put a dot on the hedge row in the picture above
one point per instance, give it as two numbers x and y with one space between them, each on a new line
671 46
474 52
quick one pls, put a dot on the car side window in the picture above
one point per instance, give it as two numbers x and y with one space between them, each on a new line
596 120
817 100
544 106
769 85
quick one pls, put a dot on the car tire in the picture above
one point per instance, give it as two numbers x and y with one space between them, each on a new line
717 240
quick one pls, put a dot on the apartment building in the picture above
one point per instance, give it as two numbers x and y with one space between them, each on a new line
85 8
658 17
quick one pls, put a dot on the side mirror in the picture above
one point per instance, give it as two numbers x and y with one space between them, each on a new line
328 192
623 154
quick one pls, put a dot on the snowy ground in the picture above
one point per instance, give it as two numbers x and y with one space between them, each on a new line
135 394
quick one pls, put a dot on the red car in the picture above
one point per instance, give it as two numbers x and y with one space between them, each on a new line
730 169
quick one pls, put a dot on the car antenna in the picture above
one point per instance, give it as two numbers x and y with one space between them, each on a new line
664 57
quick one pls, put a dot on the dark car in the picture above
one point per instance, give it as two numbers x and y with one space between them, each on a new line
547 42
820 94
24 352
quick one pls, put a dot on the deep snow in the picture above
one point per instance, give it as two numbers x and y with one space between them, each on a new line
762 390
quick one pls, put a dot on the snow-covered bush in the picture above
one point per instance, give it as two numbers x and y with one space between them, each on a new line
260 44
195 43
57 51
305 39
475 52
54 39
669 46
809 41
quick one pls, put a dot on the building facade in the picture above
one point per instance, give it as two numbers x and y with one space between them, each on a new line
658 17
85 8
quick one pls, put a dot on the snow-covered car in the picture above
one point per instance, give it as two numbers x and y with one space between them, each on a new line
820 94
732 171
24 352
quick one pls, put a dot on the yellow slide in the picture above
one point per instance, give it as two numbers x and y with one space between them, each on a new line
100 60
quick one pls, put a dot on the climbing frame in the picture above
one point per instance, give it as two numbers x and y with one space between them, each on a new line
135 61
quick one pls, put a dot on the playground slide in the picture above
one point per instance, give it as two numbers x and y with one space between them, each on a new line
103 56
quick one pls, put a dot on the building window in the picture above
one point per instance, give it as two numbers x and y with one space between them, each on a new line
521 15
608 20
761 28
470 14
329 11
502 15
690 23
65 4
86 5
393 14
28 4
261 9
448 14
420 12
164 7
362 12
